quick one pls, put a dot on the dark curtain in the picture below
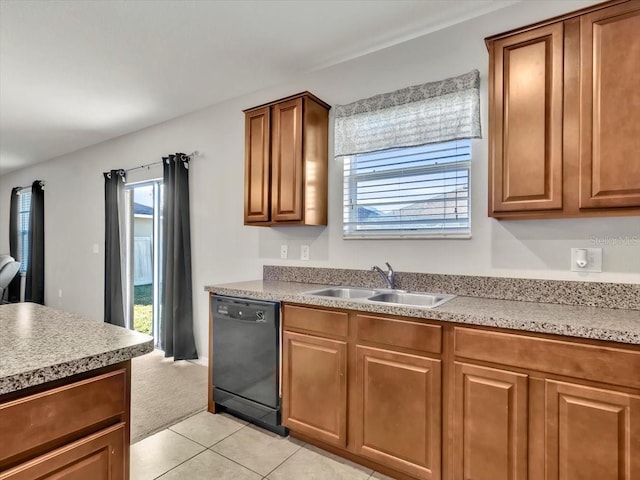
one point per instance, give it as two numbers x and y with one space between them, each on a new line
113 295
34 289
176 310
14 287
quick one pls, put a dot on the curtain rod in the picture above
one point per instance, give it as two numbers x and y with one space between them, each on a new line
192 155
29 186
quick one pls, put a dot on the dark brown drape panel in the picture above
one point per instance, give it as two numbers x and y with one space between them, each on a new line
13 295
113 295
176 309
34 289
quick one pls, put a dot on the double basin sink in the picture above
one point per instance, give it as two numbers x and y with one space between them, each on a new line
386 296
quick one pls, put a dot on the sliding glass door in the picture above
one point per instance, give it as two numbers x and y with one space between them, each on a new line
144 251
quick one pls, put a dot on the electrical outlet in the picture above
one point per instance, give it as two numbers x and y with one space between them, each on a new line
284 251
591 258
304 252
59 293
96 248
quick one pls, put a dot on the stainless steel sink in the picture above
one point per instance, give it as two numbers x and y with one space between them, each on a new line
415 299
343 292
393 297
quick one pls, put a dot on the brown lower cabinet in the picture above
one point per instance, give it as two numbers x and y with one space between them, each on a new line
97 457
420 399
591 433
315 368
71 429
490 423
397 396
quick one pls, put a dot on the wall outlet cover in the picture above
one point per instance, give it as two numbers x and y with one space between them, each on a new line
304 252
593 257
284 251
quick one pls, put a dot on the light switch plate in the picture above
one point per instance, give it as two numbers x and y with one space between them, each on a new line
594 260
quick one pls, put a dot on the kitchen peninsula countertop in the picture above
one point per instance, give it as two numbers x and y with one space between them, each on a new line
39 344
615 325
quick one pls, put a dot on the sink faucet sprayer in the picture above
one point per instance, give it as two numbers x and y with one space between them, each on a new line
389 277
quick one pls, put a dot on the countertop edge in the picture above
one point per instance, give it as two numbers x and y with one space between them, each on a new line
497 321
38 376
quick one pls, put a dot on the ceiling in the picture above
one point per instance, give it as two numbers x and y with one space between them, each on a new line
75 73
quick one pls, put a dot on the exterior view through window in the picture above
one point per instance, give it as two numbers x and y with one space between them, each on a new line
418 191
144 247
24 210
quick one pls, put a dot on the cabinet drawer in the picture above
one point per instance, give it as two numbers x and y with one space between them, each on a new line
580 360
53 416
98 456
400 333
316 320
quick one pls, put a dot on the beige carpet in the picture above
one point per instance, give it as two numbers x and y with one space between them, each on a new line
164 392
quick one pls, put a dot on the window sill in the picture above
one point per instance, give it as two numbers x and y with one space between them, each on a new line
395 236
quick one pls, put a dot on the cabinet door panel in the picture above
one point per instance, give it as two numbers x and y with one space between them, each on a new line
399 411
526 159
286 158
97 457
35 423
314 382
490 424
256 169
610 123
591 433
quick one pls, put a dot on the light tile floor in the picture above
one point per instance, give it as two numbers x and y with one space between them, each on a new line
207 446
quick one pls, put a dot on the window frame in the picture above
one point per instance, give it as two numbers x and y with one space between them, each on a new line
350 189
23 233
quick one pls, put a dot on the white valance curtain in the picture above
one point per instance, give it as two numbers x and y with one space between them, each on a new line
428 113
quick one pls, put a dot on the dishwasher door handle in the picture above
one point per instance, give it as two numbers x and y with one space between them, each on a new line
245 320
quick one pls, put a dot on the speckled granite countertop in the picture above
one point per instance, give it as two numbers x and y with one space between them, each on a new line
39 344
615 325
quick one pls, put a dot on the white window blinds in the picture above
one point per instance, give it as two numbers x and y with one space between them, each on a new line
408 192
24 210
407 160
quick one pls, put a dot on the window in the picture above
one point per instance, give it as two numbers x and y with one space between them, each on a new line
24 210
408 192
407 158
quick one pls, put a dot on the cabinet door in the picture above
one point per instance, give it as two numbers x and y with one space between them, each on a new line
610 106
398 414
256 168
314 384
490 424
591 433
526 128
97 457
286 161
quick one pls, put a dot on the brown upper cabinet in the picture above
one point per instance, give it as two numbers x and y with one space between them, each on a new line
564 115
286 153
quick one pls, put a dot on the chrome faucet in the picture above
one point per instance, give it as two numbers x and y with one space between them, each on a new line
389 276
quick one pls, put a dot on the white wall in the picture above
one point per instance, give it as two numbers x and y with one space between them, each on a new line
224 250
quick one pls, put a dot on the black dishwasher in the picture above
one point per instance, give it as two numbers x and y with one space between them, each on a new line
246 358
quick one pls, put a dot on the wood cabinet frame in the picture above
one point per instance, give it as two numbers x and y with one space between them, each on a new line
286 162
580 148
